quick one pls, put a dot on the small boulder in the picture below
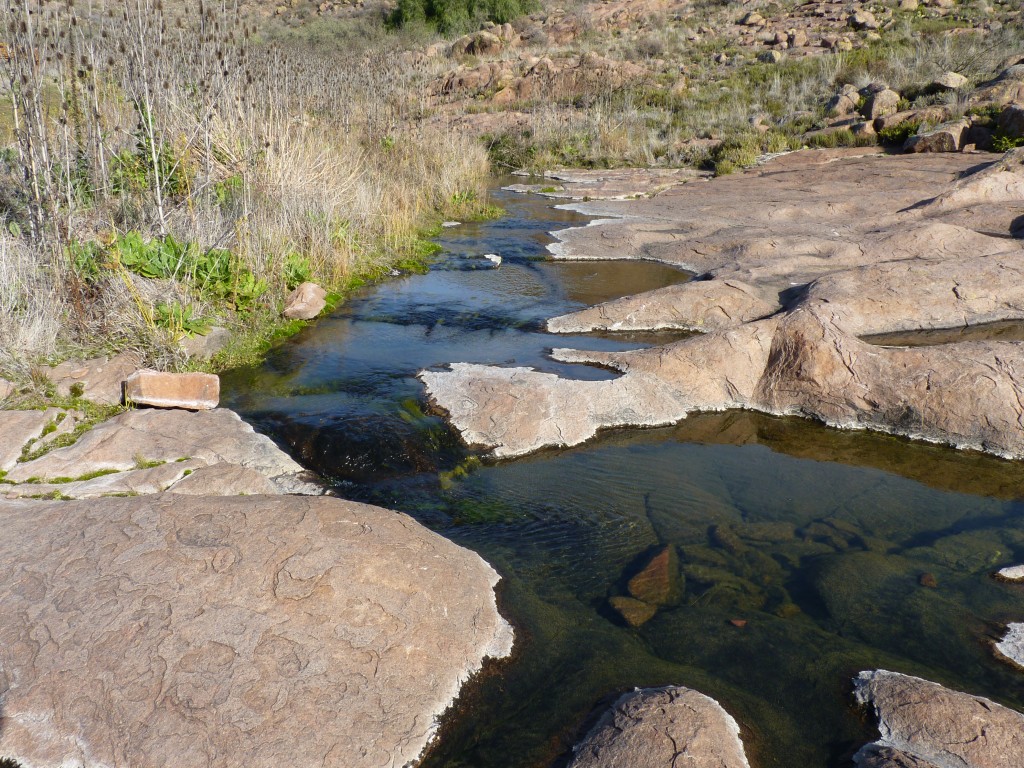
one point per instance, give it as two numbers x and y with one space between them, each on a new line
191 391
753 19
6 389
908 5
948 81
844 102
884 102
797 38
305 302
862 19
656 727
948 137
770 57
634 612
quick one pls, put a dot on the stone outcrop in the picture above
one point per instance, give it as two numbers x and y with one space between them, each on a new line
658 727
148 451
924 724
795 263
211 631
159 389
305 302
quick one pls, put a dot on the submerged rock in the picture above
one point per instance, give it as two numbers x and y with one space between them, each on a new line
659 582
634 612
659 727
197 631
925 722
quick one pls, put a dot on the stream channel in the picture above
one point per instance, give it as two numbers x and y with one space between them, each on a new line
841 551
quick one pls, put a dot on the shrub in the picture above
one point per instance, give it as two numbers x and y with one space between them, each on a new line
456 16
897 135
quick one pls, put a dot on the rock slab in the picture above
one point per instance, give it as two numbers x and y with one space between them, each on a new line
204 631
659 727
191 391
938 726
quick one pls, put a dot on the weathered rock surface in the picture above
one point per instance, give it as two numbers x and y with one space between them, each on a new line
225 479
1011 647
698 305
7 389
937 726
99 379
796 262
658 727
193 391
305 302
19 428
168 436
207 631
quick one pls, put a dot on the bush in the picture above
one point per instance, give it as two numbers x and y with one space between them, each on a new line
897 135
456 16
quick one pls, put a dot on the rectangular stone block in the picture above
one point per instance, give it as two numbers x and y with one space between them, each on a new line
193 391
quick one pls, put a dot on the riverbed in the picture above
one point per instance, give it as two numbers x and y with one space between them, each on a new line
809 554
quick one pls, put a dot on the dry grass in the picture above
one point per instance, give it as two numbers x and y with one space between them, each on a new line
281 155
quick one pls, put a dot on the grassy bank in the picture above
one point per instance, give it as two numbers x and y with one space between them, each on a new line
169 172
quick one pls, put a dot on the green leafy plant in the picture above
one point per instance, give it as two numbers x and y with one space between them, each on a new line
297 270
179 320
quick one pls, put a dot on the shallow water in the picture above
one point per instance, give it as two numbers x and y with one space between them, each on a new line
817 538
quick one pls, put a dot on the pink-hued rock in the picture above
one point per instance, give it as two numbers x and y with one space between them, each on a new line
796 261
192 391
660 727
305 302
920 720
100 380
200 631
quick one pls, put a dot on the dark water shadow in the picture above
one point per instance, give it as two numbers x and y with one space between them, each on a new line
1002 330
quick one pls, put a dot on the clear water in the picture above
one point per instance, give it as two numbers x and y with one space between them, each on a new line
818 539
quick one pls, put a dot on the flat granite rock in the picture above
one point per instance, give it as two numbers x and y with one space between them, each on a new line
213 631
936 726
795 262
162 435
662 727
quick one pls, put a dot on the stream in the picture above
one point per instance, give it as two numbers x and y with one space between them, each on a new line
833 551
